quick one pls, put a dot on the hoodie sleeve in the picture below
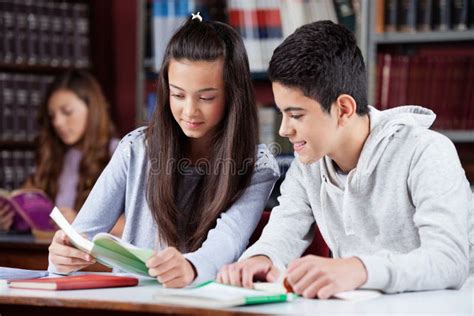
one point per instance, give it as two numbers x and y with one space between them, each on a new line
290 229
442 198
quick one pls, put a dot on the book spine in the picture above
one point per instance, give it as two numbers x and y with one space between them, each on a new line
391 15
66 34
21 104
407 15
8 106
442 15
8 172
2 31
3 77
81 35
460 14
9 32
20 33
32 33
425 15
471 13
346 15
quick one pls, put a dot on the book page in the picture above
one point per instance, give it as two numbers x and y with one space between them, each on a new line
116 244
76 239
217 291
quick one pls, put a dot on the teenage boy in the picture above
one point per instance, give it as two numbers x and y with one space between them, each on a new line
388 195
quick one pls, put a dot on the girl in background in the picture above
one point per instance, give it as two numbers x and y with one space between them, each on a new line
76 141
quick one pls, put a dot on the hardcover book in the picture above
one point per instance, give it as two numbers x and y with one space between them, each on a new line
75 282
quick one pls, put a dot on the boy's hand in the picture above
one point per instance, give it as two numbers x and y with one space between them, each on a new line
313 276
65 257
171 268
242 273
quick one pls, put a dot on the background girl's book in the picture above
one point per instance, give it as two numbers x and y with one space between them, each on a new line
31 208
106 248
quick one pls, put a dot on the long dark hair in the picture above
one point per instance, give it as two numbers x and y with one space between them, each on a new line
233 151
95 142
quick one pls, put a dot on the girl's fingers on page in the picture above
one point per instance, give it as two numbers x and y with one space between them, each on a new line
59 237
68 269
163 268
66 251
175 272
175 282
161 257
69 261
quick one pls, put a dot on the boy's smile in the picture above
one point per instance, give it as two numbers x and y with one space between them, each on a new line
312 131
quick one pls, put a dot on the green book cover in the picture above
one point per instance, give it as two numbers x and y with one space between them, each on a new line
106 248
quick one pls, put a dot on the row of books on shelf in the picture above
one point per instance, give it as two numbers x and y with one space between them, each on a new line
15 167
20 98
263 24
424 15
440 79
45 33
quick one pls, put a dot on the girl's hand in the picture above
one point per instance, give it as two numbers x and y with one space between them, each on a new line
65 257
6 217
171 268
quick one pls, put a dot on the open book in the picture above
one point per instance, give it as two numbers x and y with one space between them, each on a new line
356 295
211 294
106 248
31 208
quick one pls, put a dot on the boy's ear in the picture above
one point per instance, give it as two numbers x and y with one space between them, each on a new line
346 108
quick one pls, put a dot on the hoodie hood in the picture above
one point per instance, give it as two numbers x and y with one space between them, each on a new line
383 125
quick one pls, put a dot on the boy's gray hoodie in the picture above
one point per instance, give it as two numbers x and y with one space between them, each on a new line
405 210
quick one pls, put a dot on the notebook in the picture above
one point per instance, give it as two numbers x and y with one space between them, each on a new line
211 294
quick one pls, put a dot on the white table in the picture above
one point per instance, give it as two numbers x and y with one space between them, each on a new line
140 299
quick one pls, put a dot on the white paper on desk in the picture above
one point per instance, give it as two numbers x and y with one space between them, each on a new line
357 295
12 274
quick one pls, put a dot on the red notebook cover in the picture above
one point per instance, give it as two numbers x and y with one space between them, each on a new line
75 282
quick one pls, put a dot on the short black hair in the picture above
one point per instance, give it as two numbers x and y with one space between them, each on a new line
323 61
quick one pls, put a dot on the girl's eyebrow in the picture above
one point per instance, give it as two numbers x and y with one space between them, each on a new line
201 90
